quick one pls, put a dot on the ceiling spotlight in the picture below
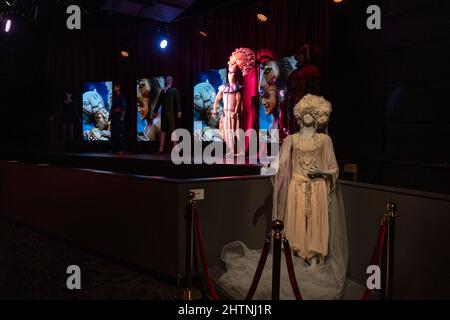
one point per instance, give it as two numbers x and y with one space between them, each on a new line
204 23
262 17
163 36
163 44
8 25
262 12
127 44
337 1
203 32
10 3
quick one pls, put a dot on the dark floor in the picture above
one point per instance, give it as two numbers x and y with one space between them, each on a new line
33 266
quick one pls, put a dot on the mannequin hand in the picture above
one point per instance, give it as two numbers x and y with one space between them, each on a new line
180 115
315 172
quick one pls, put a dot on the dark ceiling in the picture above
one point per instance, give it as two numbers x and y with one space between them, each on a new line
161 10
47 12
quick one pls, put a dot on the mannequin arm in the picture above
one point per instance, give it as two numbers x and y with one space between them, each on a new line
238 102
217 101
318 172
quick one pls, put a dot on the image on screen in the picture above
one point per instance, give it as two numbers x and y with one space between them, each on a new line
272 88
97 101
206 87
148 119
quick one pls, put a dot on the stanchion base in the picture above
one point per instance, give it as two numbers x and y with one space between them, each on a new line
189 294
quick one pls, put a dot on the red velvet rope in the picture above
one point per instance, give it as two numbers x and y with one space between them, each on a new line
201 247
259 270
376 257
291 272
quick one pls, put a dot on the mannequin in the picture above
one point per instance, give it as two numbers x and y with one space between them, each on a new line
241 62
232 108
169 102
313 174
306 198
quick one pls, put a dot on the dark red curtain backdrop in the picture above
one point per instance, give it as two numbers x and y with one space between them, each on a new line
92 54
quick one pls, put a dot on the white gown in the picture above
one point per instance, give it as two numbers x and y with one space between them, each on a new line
322 282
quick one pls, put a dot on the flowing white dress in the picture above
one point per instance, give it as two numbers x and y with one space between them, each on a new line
314 217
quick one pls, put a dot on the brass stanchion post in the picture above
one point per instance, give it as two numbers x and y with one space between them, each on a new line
189 293
277 227
390 215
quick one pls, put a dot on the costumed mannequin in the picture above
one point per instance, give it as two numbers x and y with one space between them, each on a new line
169 102
241 62
232 108
307 174
302 81
307 199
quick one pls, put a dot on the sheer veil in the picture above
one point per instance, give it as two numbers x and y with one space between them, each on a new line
321 282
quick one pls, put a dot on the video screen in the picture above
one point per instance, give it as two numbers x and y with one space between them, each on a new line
206 87
97 101
148 119
272 87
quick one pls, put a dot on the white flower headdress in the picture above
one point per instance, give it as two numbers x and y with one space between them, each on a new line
318 107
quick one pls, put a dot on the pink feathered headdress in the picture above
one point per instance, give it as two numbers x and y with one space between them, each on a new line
244 59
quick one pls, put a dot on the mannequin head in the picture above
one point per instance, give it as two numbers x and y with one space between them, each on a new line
67 95
234 74
316 107
308 120
169 81
117 89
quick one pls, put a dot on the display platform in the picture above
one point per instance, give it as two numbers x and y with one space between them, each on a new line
137 164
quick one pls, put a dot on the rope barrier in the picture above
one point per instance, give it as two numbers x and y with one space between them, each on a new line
277 226
193 222
201 248
259 270
189 292
376 257
291 272
386 231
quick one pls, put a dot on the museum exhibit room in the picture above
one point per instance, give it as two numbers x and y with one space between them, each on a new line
225 150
